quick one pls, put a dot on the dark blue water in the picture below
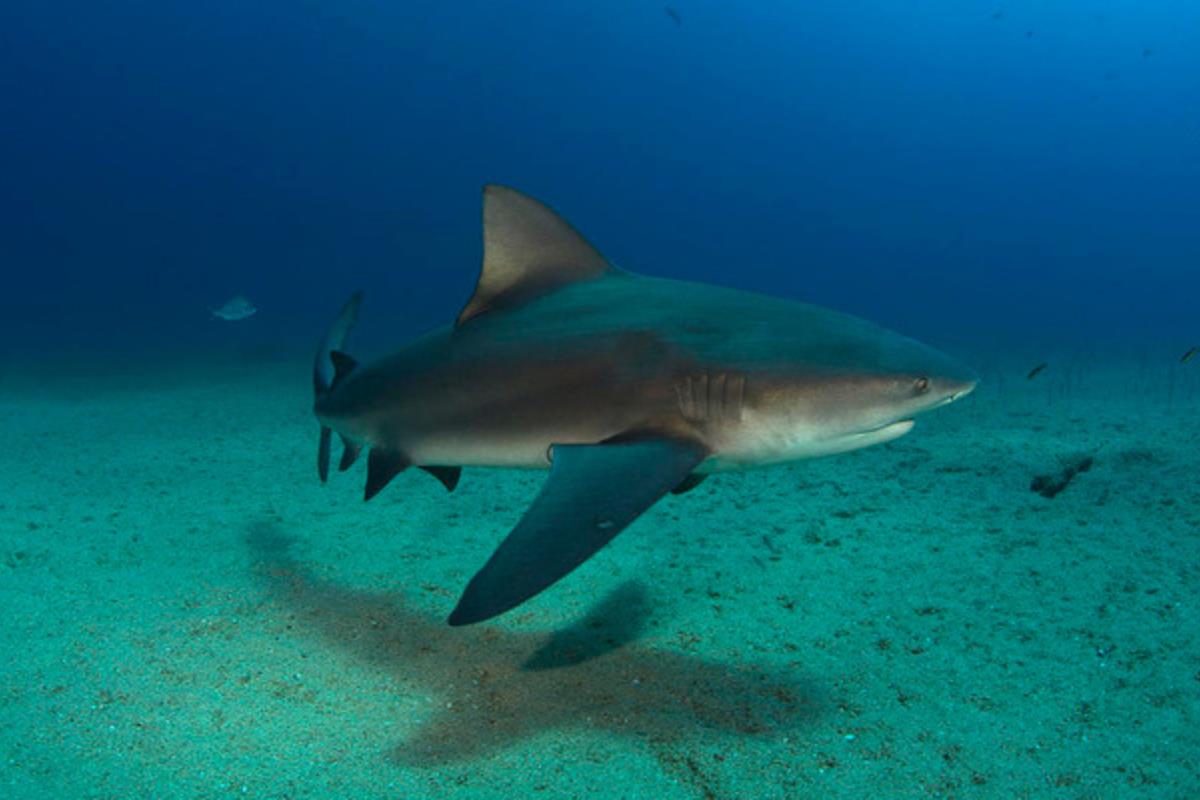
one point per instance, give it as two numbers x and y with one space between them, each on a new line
961 171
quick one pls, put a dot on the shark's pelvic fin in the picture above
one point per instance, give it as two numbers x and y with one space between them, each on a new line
528 250
593 492
382 466
447 475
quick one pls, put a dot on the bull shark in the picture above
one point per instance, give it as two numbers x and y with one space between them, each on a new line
625 387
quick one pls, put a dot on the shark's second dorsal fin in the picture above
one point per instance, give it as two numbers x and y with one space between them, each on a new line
343 365
528 250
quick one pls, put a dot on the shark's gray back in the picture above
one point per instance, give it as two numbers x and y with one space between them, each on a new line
698 322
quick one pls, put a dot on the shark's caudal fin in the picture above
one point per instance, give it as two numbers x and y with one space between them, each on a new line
325 365
528 251
330 366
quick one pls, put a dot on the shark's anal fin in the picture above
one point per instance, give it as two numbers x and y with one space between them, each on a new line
593 492
382 466
528 251
447 475
323 454
350 451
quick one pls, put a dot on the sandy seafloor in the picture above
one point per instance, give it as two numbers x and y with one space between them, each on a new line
189 614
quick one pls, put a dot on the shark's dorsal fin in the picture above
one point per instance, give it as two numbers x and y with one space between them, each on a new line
528 250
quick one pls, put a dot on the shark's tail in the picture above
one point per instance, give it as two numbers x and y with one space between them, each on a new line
330 366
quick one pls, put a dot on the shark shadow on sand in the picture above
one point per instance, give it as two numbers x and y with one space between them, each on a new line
496 688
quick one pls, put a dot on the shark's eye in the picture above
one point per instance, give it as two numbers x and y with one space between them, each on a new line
921 385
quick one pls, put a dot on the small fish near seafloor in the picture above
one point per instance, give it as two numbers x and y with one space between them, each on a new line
237 308
1048 486
626 388
1033 373
1188 355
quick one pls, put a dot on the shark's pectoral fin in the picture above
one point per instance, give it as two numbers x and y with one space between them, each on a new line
592 494
382 466
689 483
447 475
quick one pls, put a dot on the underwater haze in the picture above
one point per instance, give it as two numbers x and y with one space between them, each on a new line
1002 603
975 170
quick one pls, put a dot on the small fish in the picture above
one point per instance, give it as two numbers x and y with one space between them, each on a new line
1189 354
237 308
1033 373
674 15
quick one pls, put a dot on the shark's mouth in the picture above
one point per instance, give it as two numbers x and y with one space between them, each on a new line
889 431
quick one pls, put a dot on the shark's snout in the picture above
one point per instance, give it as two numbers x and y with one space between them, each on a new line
924 379
960 390
943 379
958 380
952 389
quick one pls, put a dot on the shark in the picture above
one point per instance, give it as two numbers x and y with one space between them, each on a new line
624 387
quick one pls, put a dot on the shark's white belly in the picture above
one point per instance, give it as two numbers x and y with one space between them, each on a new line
527 451
759 442
751 443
